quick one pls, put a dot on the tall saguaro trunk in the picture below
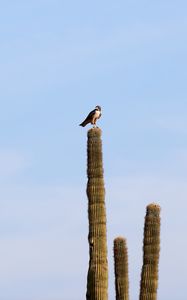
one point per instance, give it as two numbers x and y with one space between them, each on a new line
151 248
97 279
121 269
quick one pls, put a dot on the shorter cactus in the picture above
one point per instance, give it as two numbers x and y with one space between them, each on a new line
121 269
151 249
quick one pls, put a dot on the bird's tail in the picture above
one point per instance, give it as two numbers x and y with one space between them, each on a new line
84 123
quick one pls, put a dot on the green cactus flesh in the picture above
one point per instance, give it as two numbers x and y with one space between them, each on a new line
151 249
121 269
97 278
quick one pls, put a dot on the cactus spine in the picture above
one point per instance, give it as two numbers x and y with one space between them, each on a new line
121 269
151 249
97 278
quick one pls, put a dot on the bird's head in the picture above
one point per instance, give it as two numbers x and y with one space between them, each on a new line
98 107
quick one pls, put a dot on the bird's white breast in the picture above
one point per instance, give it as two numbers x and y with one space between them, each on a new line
97 114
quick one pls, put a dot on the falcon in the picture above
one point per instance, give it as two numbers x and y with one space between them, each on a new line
92 117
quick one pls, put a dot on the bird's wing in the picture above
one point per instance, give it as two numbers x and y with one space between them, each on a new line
90 115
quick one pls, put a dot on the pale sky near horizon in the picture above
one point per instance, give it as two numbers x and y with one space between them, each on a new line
59 59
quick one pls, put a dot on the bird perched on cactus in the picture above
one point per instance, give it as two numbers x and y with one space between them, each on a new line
92 117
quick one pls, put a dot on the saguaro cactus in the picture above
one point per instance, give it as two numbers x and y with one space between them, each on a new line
121 269
151 249
97 279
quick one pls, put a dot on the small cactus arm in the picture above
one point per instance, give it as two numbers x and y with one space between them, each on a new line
97 278
121 269
151 250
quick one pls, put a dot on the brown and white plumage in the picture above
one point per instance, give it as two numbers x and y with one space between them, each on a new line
92 117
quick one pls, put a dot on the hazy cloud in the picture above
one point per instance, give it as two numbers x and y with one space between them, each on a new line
12 162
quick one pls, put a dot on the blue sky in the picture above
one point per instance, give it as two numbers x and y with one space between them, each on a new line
59 59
